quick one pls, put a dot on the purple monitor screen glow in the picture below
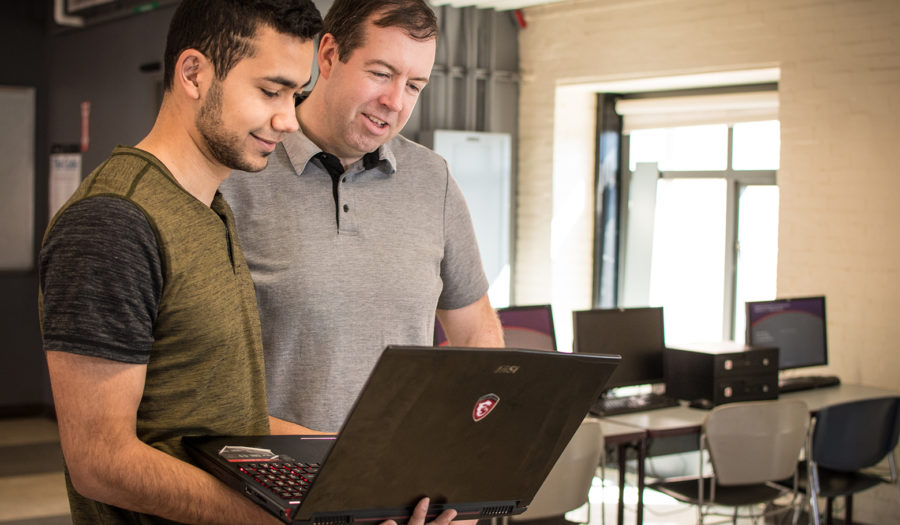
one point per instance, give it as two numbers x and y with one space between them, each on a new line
796 326
527 327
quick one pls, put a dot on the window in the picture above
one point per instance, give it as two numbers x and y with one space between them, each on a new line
756 145
757 249
713 241
688 259
697 148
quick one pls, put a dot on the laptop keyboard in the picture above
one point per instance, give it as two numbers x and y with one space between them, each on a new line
290 480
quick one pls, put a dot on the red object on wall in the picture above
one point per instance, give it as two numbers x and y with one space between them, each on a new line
520 17
85 125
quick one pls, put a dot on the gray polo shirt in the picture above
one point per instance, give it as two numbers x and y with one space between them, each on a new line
343 268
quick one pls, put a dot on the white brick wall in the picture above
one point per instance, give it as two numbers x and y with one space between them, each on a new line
840 121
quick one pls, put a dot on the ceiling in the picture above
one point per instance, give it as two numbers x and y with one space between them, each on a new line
499 5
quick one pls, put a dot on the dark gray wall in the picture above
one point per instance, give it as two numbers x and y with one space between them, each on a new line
23 384
101 64
474 88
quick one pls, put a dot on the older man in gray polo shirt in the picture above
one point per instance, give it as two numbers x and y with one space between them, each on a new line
356 236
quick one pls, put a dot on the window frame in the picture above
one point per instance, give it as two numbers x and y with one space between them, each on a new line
735 180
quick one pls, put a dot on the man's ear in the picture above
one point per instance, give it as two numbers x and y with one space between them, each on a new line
192 70
327 55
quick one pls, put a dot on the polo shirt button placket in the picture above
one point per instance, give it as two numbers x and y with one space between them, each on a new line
347 220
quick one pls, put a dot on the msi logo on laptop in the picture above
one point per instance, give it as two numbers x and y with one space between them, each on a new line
484 406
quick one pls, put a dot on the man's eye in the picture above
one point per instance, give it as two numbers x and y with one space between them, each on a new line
270 94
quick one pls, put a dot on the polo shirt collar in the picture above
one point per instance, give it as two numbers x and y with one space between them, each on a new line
300 151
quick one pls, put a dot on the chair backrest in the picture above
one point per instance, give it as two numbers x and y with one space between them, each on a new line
757 441
566 487
855 435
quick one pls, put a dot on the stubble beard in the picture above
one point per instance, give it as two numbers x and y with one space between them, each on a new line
224 147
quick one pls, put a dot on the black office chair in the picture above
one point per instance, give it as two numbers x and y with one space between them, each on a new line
846 439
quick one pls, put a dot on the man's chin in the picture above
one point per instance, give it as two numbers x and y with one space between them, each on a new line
371 145
256 165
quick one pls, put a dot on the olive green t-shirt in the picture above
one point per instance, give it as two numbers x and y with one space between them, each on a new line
135 269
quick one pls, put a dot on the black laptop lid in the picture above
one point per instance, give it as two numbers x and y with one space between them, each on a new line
467 425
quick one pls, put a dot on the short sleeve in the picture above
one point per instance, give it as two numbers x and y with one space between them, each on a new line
101 280
462 270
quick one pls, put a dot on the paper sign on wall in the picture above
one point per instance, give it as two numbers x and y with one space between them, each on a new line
65 176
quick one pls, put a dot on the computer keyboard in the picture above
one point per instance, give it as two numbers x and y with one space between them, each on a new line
287 479
799 383
612 406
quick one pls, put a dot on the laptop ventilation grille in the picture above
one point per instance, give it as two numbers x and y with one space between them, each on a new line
502 510
333 520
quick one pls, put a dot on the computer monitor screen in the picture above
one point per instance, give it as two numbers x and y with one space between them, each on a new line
528 327
440 337
796 326
636 334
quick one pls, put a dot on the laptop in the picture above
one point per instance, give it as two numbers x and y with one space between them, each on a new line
476 430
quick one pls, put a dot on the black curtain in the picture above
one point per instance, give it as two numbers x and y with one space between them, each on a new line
607 180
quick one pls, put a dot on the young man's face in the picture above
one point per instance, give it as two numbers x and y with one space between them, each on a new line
245 115
370 96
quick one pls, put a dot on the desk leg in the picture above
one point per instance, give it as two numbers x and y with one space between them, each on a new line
642 455
620 510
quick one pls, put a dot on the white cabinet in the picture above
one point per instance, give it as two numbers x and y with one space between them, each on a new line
480 162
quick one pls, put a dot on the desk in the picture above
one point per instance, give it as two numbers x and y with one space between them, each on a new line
683 421
652 424
822 397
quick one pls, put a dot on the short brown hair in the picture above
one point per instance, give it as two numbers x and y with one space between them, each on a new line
346 19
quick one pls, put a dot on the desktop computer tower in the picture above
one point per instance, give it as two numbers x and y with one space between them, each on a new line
710 374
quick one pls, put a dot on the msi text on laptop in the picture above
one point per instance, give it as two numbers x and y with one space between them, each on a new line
476 430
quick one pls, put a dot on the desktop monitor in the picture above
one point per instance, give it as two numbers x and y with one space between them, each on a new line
634 333
796 326
528 327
